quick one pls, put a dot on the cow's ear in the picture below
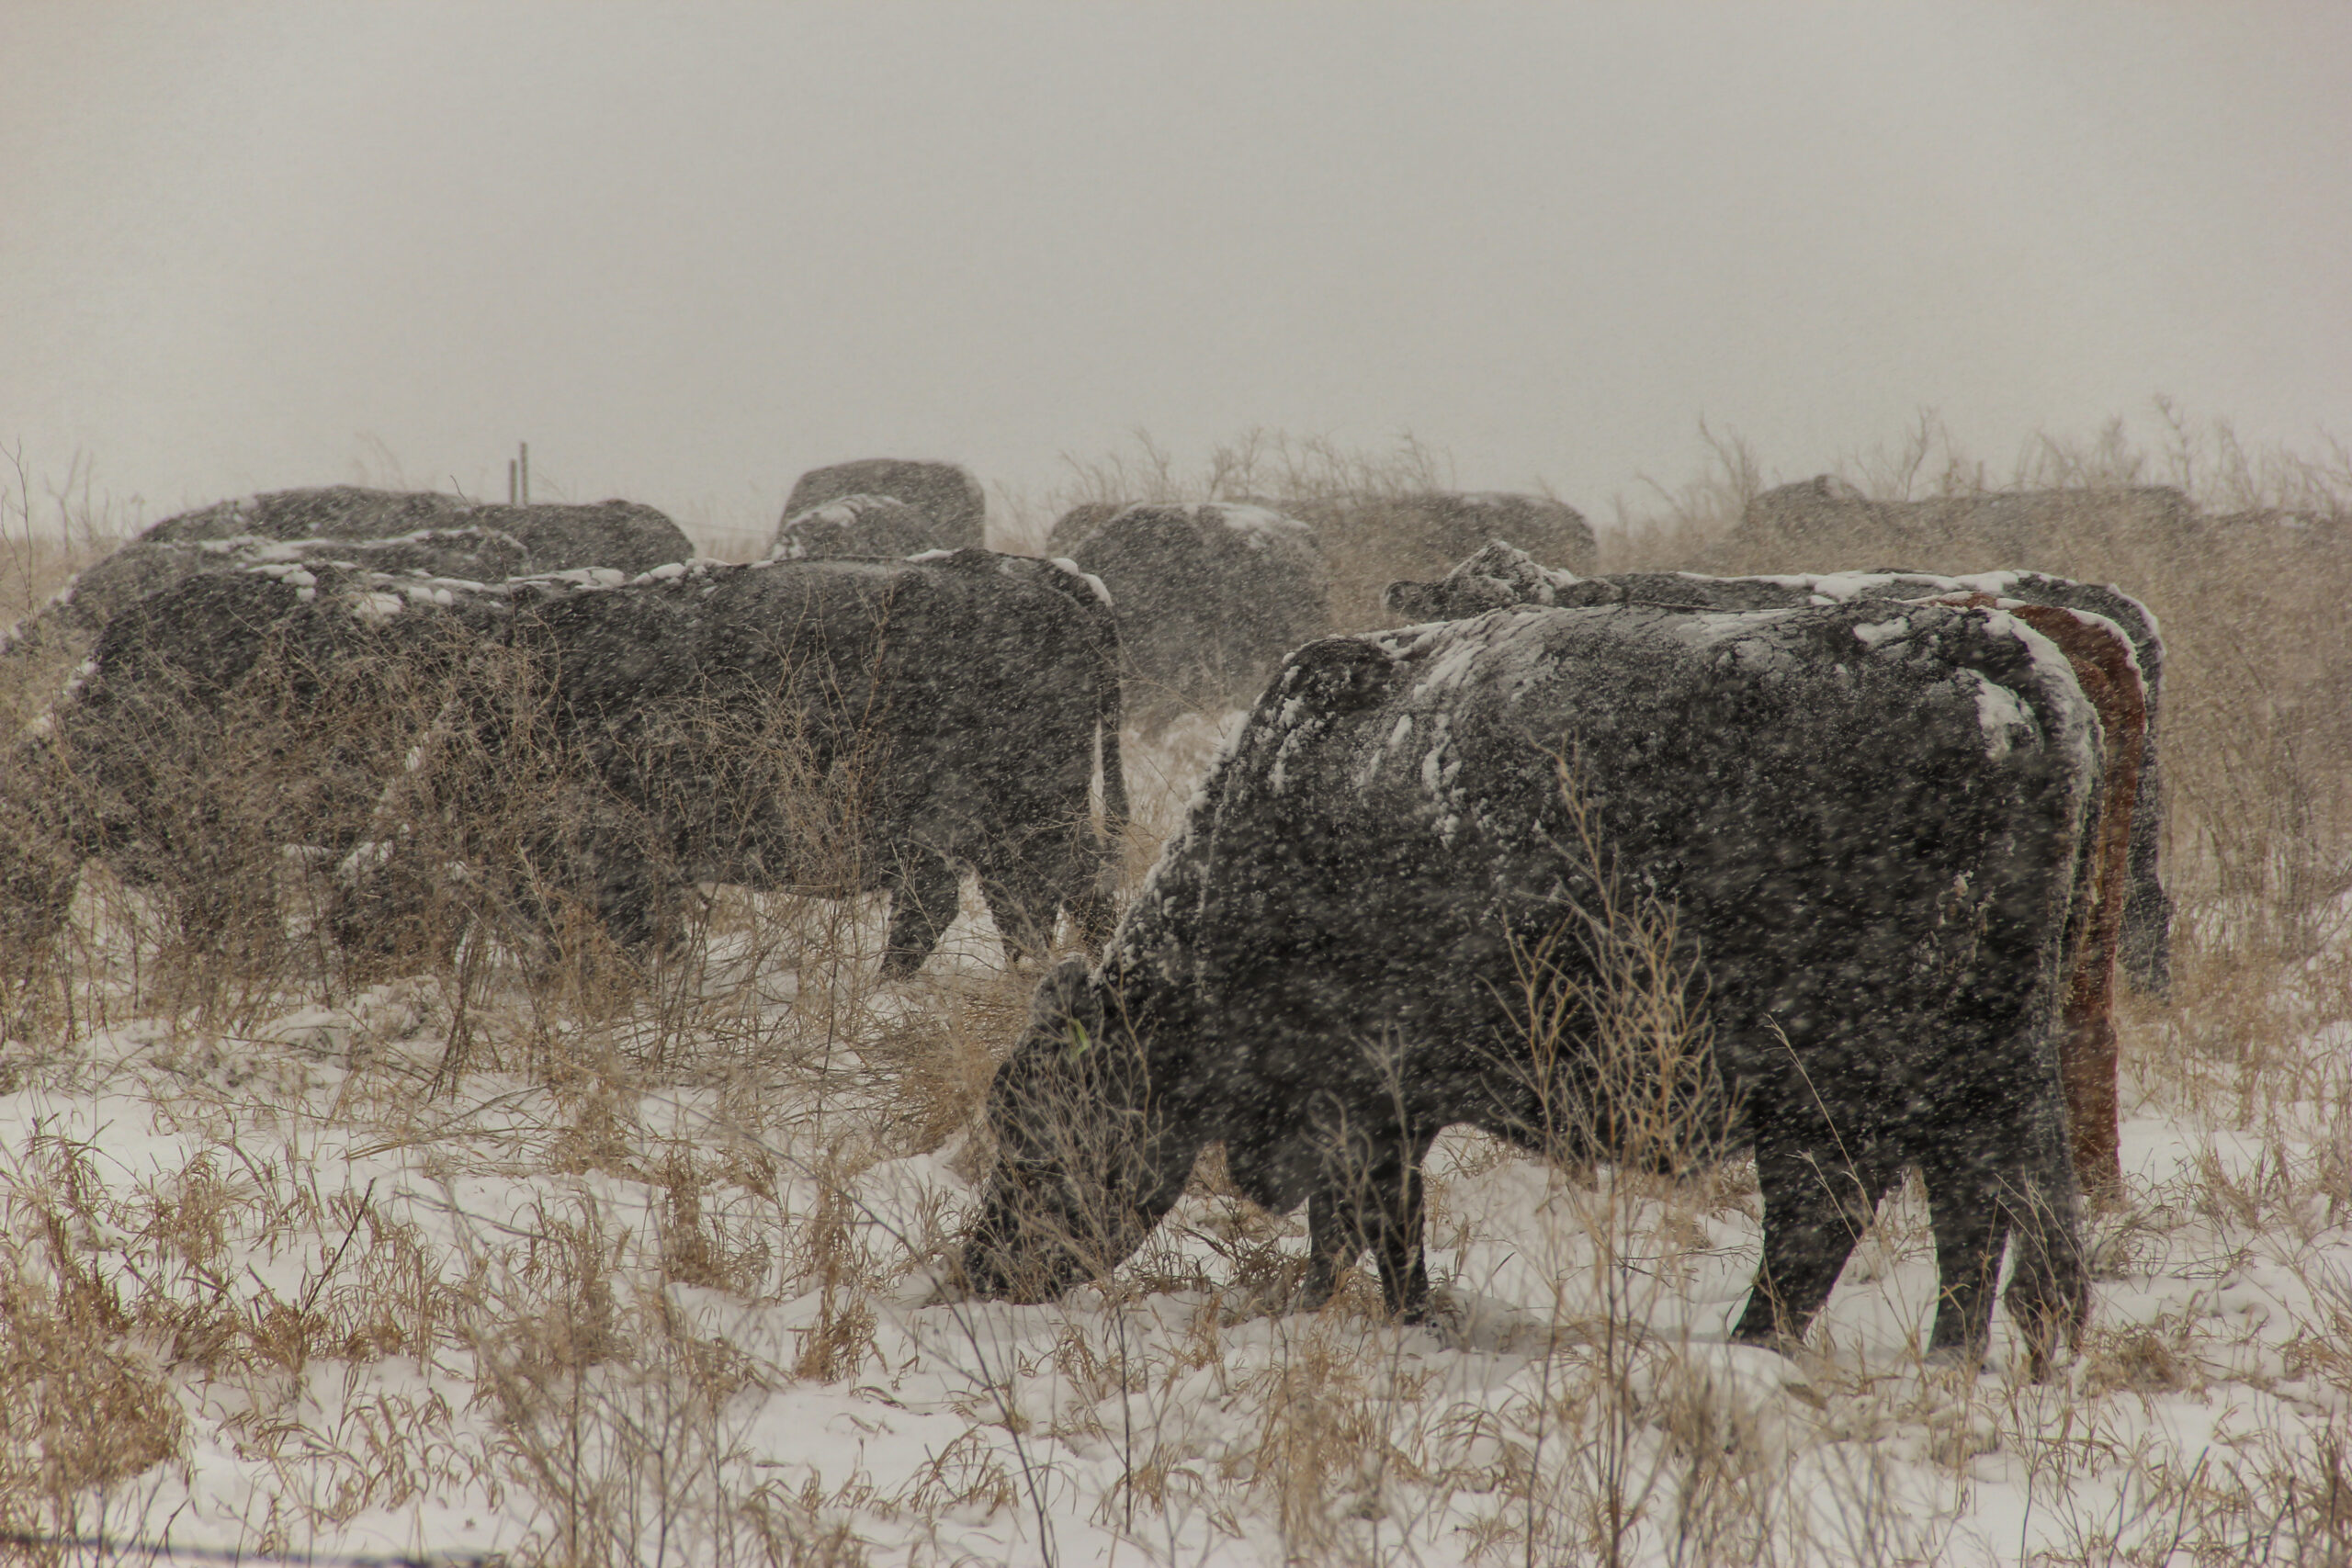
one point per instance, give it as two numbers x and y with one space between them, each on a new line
1411 599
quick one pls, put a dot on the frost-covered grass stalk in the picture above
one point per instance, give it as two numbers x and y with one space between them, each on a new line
491 1240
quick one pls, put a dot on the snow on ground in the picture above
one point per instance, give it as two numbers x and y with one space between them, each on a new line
664 1288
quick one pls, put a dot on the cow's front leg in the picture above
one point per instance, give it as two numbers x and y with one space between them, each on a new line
1813 1214
922 906
1403 1261
1334 1240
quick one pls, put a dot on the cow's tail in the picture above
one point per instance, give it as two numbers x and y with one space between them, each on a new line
1097 908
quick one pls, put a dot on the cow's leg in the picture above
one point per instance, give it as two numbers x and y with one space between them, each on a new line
1334 1241
1972 1223
2049 1294
1375 1202
1814 1211
922 906
1384 1214
1091 892
1022 903
1404 1261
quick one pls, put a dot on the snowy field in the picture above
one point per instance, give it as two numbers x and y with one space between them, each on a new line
653 1283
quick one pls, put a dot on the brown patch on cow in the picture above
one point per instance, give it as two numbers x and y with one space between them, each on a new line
2102 662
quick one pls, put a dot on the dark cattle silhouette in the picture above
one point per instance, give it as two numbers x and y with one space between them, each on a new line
148 565
1368 539
605 747
620 536
1208 597
1439 527
856 525
1865 819
1501 575
266 702
944 492
1080 522
1794 523
442 536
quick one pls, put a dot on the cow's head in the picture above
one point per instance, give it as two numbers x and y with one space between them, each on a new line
1497 577
1075 1181
1414 603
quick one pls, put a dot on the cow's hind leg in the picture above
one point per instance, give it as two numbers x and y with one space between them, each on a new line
1376 1205
1972 1225
2049 1294
1022 904
922 906
1814 1211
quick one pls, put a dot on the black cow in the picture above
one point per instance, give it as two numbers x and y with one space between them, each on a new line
1209 598
856 525
1080 522
2031 527
826 727
1442 527
1501 575
222 716
604 536
946 492
392 531
1863 822
323 511
145 566
618 535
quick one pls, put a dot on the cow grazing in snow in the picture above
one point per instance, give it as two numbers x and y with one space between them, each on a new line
1865 821
824 727
947 493
1209 598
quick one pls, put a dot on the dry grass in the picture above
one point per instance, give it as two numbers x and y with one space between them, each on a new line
587 1251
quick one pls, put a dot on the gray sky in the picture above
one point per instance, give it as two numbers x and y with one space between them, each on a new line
688 252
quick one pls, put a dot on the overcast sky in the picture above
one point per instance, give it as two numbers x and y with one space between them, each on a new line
689 251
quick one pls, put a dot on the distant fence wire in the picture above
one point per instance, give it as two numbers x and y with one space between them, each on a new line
109 1549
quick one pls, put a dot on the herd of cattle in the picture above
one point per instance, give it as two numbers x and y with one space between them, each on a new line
1906 825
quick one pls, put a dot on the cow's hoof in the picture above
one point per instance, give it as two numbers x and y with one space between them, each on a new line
1264 1301
1291 1292
938 1288
1446 1313
1954 1359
